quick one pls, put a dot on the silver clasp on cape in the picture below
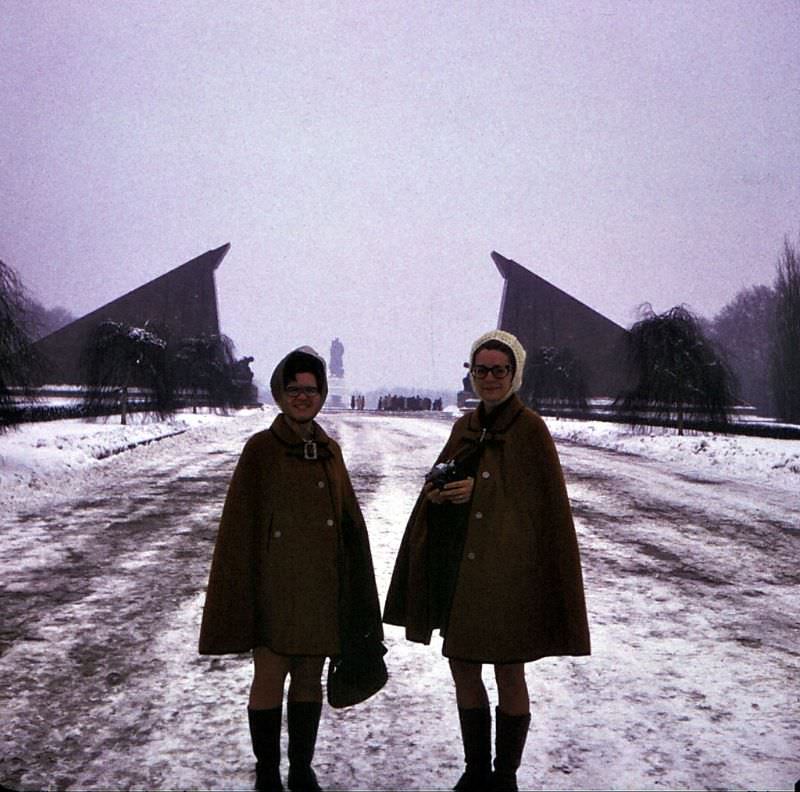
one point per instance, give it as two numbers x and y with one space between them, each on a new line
309 449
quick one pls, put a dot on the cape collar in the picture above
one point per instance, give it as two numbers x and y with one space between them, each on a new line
315 448
506 415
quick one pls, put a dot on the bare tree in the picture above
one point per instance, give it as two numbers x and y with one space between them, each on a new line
743 330
677 370
554 378
17 358
785 368
119 358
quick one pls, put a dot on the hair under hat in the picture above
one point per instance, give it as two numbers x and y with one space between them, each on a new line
302 359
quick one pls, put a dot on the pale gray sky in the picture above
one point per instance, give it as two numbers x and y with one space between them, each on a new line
364 159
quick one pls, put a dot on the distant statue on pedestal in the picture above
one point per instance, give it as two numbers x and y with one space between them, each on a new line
467 392
337 387
336 363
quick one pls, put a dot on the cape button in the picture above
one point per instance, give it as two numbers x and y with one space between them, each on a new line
320 484
329 523
277 534
478 515
471 556
485 474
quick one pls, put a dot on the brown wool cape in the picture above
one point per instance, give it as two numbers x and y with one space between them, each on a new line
519 589
279 577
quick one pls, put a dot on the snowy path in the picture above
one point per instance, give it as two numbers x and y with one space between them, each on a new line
691 584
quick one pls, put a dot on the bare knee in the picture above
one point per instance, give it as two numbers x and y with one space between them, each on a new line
269 678
470 690
306 679
510 676
466 674
512 689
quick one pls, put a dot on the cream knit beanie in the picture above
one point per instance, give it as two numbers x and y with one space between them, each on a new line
512 342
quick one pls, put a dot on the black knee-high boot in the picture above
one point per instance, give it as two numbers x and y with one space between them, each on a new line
303 721
476 735
265 734
511 732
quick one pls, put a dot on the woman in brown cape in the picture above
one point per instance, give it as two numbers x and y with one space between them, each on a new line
277 584
490 557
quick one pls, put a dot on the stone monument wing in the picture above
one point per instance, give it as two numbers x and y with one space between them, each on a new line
181 303
542 315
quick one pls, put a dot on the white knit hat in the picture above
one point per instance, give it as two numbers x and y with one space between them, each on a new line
512 342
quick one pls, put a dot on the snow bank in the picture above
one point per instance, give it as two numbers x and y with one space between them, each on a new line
703 453
37 458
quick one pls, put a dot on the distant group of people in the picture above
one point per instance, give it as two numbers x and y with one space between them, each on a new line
358 401
400 403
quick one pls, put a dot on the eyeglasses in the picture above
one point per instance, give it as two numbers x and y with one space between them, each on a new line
293 391
498 372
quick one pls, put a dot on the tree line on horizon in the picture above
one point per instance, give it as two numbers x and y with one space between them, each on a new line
682 365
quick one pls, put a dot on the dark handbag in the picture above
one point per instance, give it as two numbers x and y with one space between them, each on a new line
359 671
357 674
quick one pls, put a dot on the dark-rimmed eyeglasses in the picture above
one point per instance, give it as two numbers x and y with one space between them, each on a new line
293 391
498 372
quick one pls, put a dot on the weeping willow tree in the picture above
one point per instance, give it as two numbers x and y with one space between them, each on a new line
554 378
679 375
785 364
204 368
120 360
18 362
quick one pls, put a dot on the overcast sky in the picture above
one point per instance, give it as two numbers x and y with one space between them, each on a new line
364 159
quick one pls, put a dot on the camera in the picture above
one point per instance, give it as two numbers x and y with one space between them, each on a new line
443 473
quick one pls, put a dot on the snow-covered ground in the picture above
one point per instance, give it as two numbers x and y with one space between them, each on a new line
34 455
752 458
689 546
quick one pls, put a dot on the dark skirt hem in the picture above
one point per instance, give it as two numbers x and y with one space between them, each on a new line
524 659
262 645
